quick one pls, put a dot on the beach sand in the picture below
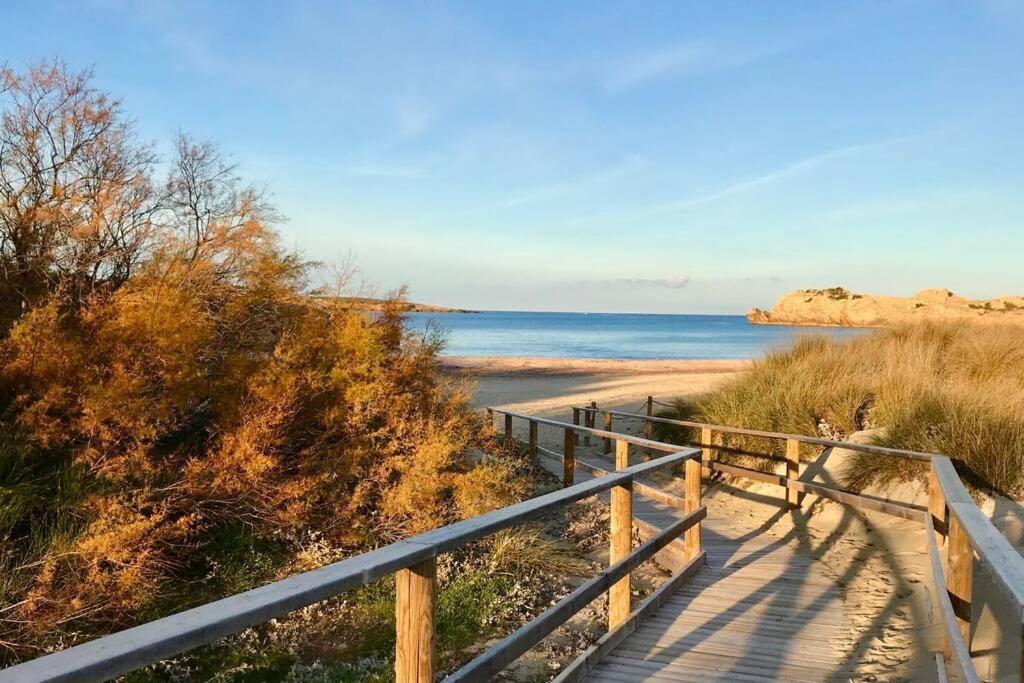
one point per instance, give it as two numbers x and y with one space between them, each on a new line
548 386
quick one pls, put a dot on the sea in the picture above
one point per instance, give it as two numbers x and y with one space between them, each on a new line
624 336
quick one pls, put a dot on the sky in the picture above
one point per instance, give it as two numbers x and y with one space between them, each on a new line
697 157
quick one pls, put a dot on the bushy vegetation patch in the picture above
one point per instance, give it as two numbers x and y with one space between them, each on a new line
955 389
179 420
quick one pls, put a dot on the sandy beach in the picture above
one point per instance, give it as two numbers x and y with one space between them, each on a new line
552 385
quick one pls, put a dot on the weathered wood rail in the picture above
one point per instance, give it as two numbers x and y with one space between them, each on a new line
413 560
951 518
952 515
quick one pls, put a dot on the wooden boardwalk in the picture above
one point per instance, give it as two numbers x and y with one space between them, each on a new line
748 600
761 610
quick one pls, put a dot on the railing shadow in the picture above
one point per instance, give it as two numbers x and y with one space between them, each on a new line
776 596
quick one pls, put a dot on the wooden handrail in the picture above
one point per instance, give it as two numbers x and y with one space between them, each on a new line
994 551
814 440
487 665
954 638
120 653
592 431
888 507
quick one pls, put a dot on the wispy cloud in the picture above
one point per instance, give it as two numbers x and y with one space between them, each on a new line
786 171
578 185
640 282
689 60
783 172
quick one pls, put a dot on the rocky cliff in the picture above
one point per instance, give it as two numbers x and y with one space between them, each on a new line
840 307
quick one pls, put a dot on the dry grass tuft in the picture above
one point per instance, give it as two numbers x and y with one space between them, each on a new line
526 551
954 389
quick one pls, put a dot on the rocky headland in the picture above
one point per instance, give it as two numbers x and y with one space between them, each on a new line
839 307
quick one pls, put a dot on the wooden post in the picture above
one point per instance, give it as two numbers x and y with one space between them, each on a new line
621 538
607 428
414 622
490 421
793 497
533 440
936 506
569 458
576 421
705 453
588 419
648 427
959 578
508 426
692 481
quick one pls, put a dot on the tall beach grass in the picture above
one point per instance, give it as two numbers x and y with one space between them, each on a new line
950 388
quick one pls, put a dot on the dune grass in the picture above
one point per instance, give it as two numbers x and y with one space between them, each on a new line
954 389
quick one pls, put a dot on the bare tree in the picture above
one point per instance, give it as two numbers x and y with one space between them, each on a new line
211 211
76 200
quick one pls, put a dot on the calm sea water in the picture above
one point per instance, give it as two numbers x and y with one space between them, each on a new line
611 335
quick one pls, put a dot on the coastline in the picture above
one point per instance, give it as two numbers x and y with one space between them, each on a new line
497 366
551 386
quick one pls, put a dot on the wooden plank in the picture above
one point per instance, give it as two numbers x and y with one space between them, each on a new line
960 579
635 440
596 652
621 538
458 534
793 497
649 492
508 426
716 661
109 657
621 670
568 457
940 668
817 441
954 646
706 453
994 551
533 440
608 429
590 415
414 622
936 505
648 427
487 665
894 508
691 540
576 421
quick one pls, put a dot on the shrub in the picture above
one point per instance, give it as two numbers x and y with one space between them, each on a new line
188 426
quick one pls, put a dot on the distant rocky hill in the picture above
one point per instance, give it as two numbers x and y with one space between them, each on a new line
371 304
840 307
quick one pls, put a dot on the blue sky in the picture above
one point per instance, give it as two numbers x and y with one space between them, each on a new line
657 157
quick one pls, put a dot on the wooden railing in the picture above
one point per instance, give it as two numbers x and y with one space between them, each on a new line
951 515
413 561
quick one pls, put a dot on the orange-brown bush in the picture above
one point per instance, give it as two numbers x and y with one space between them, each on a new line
203 406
